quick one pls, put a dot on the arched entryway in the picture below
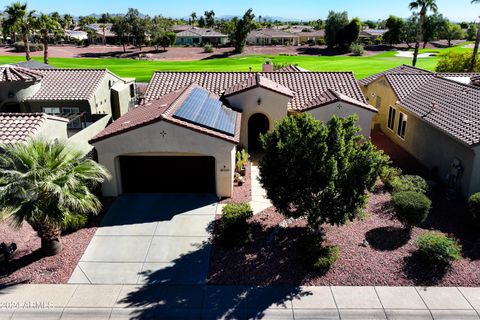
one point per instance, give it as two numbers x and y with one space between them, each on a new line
257 124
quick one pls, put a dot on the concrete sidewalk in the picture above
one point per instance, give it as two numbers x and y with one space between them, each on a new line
236 302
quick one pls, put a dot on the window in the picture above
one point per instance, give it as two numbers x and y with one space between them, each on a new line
402 125
74 124
50 110
391 118
132 90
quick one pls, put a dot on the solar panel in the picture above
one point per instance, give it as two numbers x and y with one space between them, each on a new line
201 109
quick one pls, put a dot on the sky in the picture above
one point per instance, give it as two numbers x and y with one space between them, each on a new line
455 10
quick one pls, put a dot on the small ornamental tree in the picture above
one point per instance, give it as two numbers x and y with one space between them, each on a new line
319 170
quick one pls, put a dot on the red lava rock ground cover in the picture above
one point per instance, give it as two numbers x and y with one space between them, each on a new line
373 251
30 266
244 192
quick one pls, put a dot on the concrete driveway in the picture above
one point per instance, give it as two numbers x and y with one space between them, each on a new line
154 238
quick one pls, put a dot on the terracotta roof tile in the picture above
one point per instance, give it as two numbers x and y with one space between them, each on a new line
397 70
258 81
18 127
162 109
9 73
305 85
330 96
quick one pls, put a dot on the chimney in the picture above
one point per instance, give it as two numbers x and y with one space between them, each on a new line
267 66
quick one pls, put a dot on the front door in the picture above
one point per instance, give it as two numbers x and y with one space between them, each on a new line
257 124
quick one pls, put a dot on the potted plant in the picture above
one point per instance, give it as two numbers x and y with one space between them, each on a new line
242 160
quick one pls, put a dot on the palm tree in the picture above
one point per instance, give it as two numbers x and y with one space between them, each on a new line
103 27
18 18
46 24
424 6
44 183
67 21
193 16
477 43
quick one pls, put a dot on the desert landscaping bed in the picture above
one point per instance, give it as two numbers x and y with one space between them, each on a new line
28 265
242 193
373 251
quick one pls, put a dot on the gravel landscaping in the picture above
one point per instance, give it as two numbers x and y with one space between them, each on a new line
244 192
374 251
30 266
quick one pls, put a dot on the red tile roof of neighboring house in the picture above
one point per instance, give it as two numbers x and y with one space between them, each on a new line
397 70
9 73
19 127
305 86
163 109
449 106
200 32
69 84
258 81
292 68
330 96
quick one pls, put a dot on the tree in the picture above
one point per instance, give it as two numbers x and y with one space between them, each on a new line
18 18
103 26
201 22
85 21
44 183
477 44
138 26
242 28
349 34
209 19
453 32
395 26
335 22
105 18
456 62
121 28
67 22
319 170
45 25
472 32
424 6
434 28
409 31
166 40
161 32
193 17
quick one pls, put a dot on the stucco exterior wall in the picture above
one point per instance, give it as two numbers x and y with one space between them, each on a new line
17 91
344 110
79 141
432 147
38 105
176 141
272 104
121 98
53 129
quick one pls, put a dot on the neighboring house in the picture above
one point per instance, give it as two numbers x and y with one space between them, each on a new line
268 36
433 116
77 35
103 33
372 33
309 36
20 127
184 138
88 98
33 64
200 36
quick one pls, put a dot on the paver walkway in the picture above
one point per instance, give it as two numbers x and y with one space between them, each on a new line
236 302
148 239
259 200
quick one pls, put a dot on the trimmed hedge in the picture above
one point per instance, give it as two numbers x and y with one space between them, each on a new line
474 206
412 208
437 248
409 183
389 174
74 222
233 228
325 257
20 47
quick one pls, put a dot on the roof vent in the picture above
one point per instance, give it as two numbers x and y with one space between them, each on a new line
475 80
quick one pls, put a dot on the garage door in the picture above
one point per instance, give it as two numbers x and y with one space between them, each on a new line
144 174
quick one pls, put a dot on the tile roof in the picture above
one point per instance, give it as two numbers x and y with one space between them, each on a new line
69 84
162 109
200 32
9 73
400 69
258 81
19 127
449 106
33 64
305 86
271 33
292 68
330 96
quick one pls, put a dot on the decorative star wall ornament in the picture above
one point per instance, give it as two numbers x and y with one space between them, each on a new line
339 107
163 133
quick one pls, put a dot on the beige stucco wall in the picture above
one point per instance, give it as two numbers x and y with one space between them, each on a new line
432 147
53 129
121 98
17 91
79 141
177 141
343 110
273 105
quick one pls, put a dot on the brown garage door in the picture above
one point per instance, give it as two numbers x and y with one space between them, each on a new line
145 174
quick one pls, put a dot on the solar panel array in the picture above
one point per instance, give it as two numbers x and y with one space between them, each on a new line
201 109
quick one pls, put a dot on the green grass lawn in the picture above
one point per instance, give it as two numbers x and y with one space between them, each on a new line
142 70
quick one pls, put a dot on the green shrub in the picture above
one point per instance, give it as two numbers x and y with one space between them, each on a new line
412 208
474 206
20 47
357 49
409 183
437 248
233 227
74 222
208 48
321 258
389 174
